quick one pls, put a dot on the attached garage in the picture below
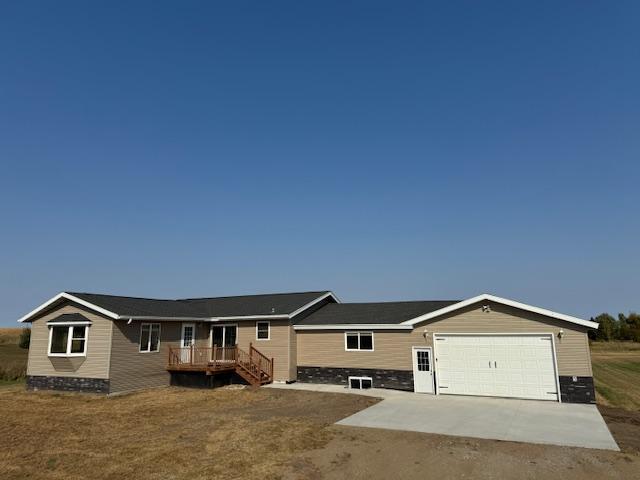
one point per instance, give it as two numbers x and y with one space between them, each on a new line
496 365
484 346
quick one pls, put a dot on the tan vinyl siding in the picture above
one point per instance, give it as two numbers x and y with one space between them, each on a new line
96 362
277 347
134 370
392 348
293 354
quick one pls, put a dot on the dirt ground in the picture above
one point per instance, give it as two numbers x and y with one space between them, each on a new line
175 433
358 453
624 426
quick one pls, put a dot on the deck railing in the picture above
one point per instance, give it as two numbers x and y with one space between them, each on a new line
203 356
221 358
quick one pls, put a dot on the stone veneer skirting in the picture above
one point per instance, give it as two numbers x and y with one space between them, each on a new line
580 390
68 384
394 379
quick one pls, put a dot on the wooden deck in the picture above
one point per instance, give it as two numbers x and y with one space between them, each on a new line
253 366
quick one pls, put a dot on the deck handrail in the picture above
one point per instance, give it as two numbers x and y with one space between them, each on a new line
263 360
254 362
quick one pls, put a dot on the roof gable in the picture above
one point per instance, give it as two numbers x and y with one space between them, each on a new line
503 301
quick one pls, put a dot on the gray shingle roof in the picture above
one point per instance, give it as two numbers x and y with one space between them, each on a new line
70 317
268 304
381 313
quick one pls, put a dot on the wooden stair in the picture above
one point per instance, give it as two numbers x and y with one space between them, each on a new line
252 366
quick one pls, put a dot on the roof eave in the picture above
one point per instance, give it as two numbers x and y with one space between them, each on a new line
354 326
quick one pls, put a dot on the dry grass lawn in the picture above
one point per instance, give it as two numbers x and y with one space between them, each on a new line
616 371
163 434
174 433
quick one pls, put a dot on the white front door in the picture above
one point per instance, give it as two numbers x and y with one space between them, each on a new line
186 340
422 370
507 365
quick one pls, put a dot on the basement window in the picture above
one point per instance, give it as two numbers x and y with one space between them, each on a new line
68 341
358 341
360 383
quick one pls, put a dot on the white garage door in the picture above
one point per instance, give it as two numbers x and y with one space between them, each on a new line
520 366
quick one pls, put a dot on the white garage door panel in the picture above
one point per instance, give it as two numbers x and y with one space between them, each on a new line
519 366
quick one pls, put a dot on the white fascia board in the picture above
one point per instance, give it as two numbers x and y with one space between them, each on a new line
503 301
353 326
72 298
311 304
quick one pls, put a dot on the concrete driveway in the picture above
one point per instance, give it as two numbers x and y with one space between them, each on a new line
529 421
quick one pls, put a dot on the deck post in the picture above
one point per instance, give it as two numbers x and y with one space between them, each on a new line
191 355
215 356
271 373
259 370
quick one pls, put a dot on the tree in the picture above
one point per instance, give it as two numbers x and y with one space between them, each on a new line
624 332
25 338
633 321
607 330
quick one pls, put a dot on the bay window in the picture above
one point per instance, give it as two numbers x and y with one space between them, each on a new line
67 340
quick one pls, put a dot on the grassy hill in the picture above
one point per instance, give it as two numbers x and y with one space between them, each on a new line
13 359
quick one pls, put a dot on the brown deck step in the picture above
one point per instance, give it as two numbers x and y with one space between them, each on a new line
254 367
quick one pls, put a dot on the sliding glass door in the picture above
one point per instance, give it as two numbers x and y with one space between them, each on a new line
224 336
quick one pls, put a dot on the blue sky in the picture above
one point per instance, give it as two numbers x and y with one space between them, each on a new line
384 150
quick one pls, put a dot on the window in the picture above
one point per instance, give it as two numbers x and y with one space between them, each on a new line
149 337
263 330
67 340
360 382
358 341
423 360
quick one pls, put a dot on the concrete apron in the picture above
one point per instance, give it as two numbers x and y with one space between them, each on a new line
565 424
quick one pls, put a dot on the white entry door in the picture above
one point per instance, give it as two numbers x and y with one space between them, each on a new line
507 365
186 340
422 370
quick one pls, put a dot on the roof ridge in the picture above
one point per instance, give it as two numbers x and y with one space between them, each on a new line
395 302
123 296
196 298
258 295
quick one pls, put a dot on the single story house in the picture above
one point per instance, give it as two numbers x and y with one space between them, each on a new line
485 345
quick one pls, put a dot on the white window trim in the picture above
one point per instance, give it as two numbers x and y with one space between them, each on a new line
358 349
149 341
268 331
224 335
359 378
69 340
